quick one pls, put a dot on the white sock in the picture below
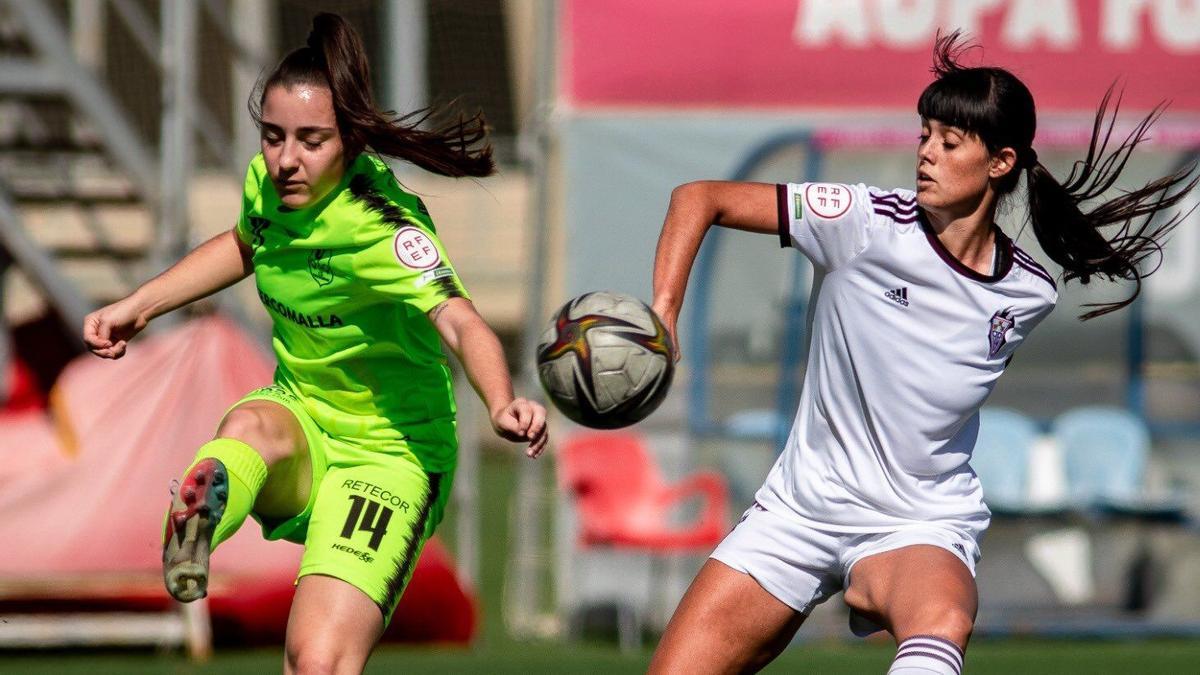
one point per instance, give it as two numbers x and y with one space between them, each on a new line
927 655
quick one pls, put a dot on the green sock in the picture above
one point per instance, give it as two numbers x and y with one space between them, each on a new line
247 473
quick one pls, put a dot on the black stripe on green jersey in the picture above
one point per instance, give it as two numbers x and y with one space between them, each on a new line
404 565
364 191
449 287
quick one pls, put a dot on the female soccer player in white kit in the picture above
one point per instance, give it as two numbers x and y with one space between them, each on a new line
920 302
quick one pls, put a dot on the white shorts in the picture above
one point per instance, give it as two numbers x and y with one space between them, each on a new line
803 566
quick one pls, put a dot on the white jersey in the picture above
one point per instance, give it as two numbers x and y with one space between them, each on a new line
906 343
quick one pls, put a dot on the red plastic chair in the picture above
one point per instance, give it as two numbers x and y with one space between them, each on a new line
623 501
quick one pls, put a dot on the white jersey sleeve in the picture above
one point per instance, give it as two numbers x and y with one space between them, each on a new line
828 222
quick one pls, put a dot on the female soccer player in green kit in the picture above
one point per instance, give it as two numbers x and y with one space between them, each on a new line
352 450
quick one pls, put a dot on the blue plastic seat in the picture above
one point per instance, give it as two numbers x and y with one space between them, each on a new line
1105 451
1001 457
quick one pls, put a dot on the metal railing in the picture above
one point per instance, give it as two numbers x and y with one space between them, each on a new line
159 180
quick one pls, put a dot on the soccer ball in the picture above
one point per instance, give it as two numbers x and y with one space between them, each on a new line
606 360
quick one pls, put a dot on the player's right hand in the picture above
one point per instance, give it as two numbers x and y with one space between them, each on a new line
520 421
107 331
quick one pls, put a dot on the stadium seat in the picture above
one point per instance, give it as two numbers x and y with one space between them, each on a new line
628 524
1001 457
622 499
1105 451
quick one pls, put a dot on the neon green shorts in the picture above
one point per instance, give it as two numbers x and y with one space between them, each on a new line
370 509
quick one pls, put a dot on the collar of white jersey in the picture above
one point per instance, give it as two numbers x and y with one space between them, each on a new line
1004 251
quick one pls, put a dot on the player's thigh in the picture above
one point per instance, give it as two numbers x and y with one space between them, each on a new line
332 627
274 423
916 590
268 426
369 524
726 623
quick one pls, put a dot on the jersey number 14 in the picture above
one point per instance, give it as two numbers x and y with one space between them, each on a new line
374 518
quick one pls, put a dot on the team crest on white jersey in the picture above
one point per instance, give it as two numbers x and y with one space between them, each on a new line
828 200
998 328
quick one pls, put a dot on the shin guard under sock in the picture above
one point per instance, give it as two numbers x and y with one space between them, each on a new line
247 474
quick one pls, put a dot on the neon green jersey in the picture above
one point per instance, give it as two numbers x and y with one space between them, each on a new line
347 282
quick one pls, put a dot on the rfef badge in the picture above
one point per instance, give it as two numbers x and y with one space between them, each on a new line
415 249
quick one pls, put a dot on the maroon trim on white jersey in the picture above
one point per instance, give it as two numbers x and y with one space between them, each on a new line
894 207
781 199
1004 258
894 200
1025 260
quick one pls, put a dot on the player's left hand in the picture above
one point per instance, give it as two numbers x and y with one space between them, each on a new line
520 421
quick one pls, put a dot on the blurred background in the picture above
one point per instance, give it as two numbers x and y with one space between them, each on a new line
124 139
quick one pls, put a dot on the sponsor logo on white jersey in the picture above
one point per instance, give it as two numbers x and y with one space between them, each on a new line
898 295
828 200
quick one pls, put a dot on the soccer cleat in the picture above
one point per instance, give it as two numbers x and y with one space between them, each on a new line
196 508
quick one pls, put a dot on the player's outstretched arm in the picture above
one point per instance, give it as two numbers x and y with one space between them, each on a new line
210 267
695 206
479 351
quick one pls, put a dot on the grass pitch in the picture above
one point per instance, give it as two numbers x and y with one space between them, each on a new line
986 657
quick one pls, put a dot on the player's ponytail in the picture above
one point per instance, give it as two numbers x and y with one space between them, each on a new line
997 106
1072 238
334 57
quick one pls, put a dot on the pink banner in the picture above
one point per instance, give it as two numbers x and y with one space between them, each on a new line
872 54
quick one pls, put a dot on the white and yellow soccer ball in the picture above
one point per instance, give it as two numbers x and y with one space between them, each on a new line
606 360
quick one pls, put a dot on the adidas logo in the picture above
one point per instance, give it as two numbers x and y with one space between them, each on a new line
899 295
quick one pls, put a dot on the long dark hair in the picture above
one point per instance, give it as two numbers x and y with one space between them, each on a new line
996 106
334 57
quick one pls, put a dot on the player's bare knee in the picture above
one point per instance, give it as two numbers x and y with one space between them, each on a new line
949 622
258 429
767 653
311 659
960 626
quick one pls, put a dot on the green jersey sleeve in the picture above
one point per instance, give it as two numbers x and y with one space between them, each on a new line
246 229
410 266
404 261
